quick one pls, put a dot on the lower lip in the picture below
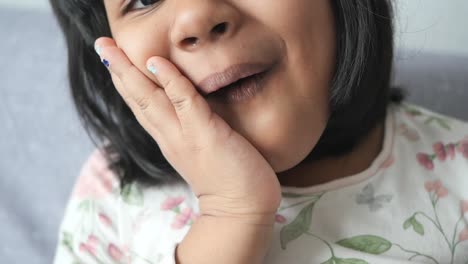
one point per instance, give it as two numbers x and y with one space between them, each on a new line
244 91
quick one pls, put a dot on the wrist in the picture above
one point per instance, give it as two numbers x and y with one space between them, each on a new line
228 240
237 211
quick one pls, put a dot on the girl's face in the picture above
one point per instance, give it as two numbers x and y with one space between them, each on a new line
285 120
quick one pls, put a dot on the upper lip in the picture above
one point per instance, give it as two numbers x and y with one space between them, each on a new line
232 74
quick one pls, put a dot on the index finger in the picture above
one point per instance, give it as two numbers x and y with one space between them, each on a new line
151 100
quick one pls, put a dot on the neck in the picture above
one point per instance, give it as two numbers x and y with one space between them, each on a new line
329 169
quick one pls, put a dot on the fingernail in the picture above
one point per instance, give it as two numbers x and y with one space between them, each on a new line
105 62
97 48
152 69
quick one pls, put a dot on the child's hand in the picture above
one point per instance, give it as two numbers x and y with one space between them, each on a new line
228 175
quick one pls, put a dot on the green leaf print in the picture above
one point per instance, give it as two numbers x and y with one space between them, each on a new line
407 223
298 226
350 261
413 111
345 261
67 240
443 123
417 226
440 121
330 261
85 205
366 243
132 194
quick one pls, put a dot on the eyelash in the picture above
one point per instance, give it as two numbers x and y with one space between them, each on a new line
130 7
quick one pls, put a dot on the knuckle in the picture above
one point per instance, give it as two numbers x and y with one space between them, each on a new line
143 103
182 103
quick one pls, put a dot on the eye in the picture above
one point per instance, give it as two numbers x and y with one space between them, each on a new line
139 4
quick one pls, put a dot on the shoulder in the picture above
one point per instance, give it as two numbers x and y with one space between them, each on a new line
433 135
433 145
105 223
424 126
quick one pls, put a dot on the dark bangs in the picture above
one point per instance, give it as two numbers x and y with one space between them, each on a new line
359 95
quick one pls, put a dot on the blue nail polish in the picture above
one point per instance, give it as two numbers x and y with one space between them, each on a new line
106 63
152 69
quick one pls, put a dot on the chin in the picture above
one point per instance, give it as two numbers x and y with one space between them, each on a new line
287 161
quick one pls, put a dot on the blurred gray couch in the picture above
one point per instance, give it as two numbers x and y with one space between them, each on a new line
42 144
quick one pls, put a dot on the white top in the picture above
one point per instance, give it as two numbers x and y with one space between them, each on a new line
409 206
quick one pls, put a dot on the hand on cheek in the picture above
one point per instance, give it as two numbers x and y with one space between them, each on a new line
191 136
144 96
105 43
167 95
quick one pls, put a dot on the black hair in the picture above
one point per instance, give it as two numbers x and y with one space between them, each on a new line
360 90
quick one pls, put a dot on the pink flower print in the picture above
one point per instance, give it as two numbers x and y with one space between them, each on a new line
437 184
105 220
437 187
96 180
90 245
88 249
410 134
451 150
463 147
439 150
92 241
425 160
181 219
463 234
429 185
280 219
114 252
172 202
464 206
442 192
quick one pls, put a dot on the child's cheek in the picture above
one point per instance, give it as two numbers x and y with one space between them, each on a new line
137 53
139 46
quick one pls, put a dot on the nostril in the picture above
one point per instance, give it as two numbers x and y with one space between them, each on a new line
220 28
192 41
217 30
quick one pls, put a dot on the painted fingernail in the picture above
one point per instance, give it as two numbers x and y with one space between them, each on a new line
152 69
98 49
105 62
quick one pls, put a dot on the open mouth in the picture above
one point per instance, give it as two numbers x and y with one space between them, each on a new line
244 84
233 85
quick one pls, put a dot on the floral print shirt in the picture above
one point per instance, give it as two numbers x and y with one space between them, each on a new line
409 206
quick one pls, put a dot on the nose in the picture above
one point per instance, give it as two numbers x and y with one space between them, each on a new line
199 23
